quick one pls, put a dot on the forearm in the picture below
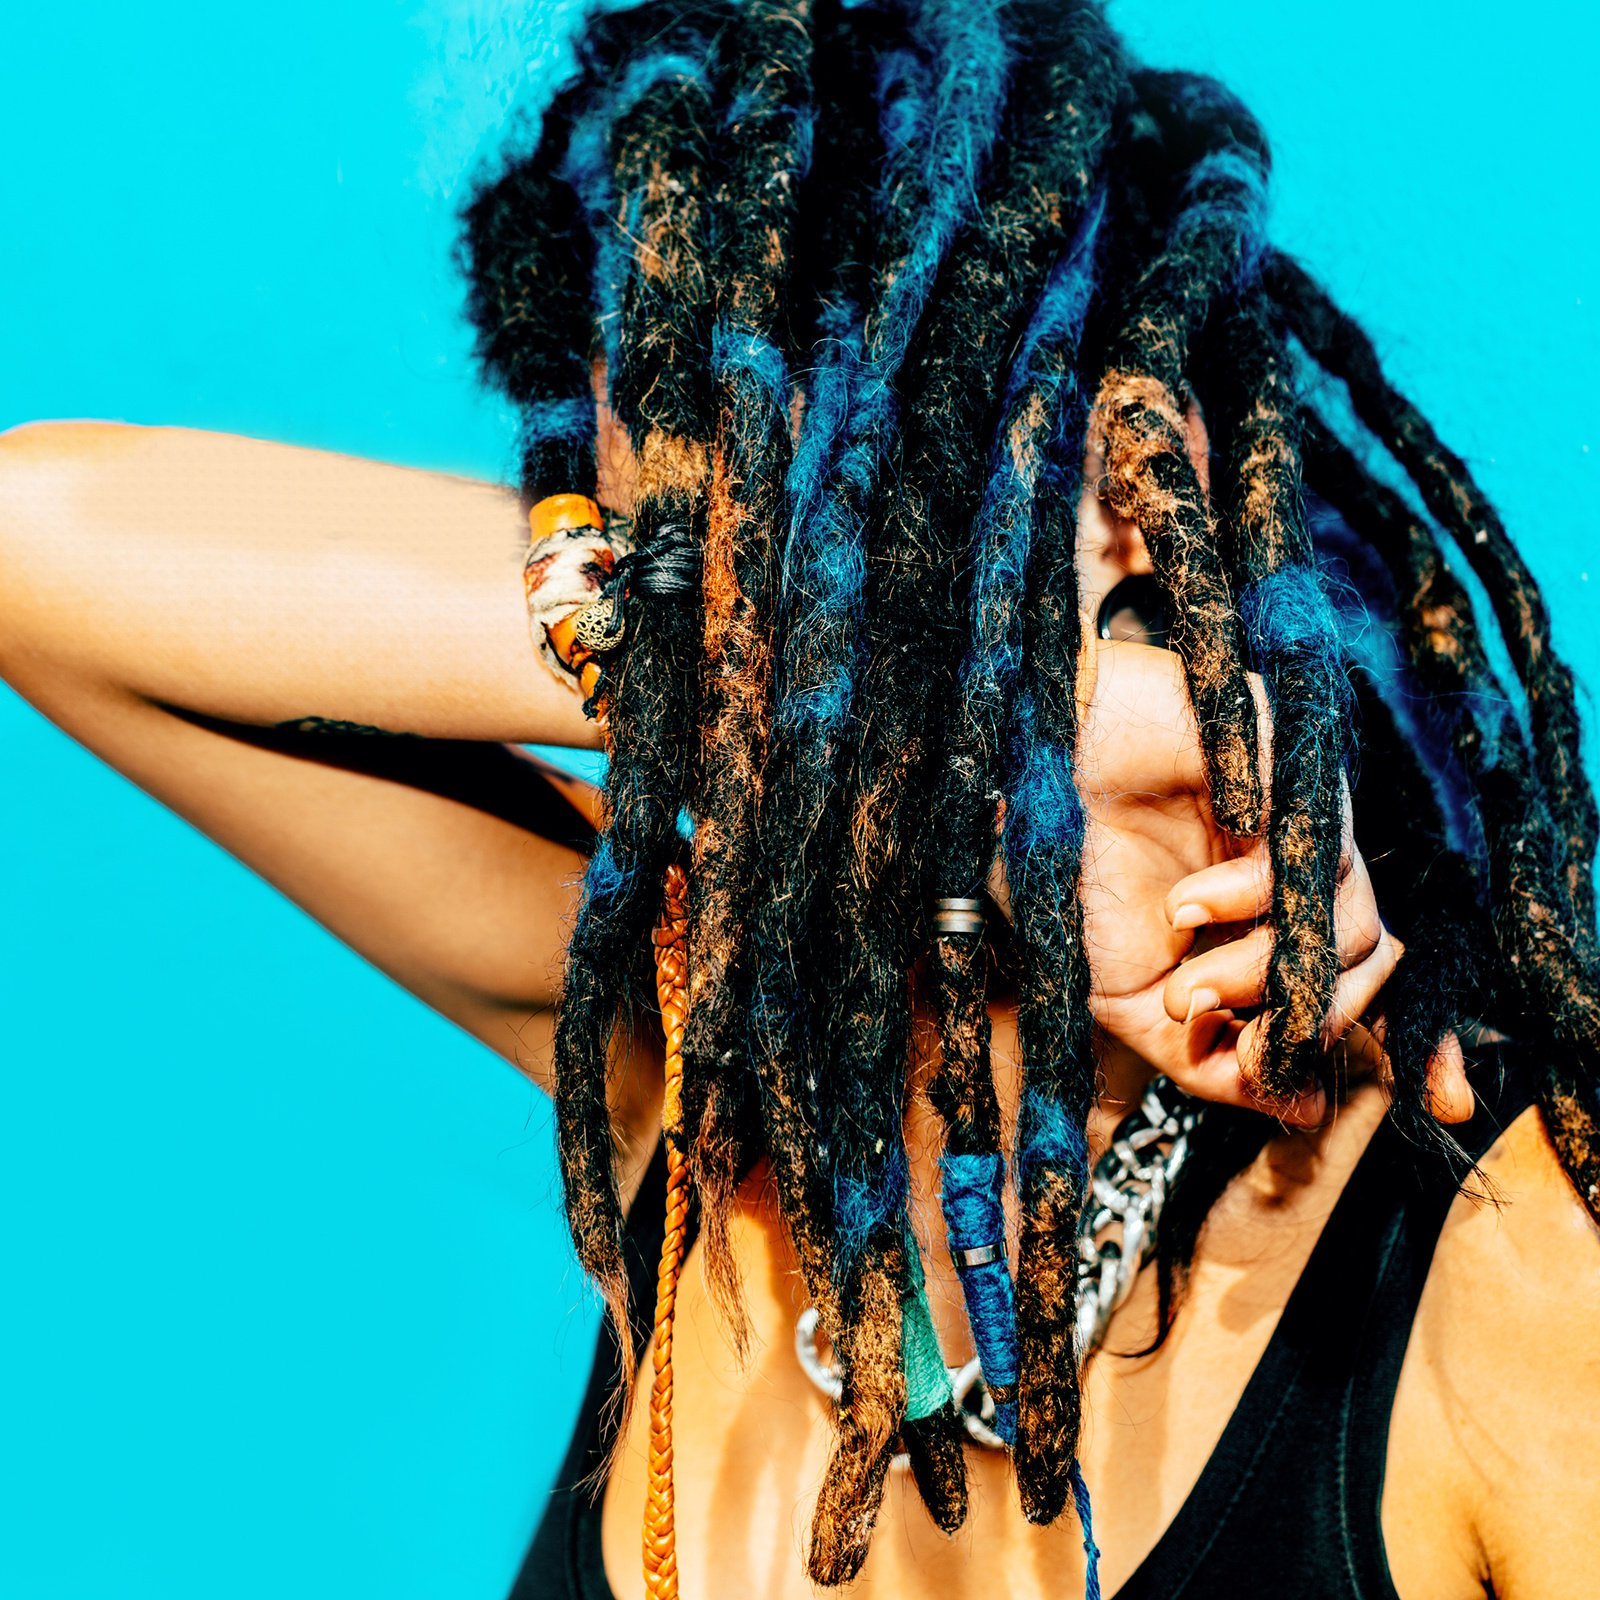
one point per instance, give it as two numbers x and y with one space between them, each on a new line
265 584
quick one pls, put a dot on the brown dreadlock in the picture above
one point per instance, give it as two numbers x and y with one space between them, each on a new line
856 276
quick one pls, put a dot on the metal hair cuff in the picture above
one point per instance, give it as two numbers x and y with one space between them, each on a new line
980 1255
957 916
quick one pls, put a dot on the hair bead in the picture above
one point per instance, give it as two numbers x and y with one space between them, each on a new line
558 513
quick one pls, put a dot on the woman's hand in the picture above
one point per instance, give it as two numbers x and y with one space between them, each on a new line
1175 908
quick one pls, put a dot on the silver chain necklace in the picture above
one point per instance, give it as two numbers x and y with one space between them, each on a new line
1116 1237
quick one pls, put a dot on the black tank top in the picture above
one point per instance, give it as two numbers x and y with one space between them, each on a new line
1289 1502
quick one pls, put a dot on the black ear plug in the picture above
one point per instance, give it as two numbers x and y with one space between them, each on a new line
1136 611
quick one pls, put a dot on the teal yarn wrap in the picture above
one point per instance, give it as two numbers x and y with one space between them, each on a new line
928 1389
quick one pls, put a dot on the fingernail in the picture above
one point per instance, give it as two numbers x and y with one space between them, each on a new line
1190 916
1202 1001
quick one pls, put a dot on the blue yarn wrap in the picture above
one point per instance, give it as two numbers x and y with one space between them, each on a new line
973 1214
1091 1551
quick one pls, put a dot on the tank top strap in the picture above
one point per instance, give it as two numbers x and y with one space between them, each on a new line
1503 1092
1290 1499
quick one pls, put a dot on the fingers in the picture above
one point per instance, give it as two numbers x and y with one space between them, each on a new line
1352 996
1233 975
1231 978
1450 1096
1354 993
1240 889
1204 1060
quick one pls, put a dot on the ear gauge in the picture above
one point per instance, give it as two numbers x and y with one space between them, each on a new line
1135 611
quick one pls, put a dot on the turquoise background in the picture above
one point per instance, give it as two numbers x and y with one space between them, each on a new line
287 1305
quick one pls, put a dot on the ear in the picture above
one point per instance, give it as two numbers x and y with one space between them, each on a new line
613 453
1111 548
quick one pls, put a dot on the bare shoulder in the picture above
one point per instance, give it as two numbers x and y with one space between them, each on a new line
1507 1344
1524 1225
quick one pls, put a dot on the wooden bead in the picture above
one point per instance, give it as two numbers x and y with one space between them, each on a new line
558 512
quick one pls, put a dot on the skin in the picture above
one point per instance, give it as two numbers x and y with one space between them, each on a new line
165 595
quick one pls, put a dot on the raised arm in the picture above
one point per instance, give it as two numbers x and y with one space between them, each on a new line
200 610
262 584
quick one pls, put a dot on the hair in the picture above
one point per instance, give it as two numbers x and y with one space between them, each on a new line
861 280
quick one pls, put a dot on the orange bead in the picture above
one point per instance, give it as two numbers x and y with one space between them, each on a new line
563 635
558 512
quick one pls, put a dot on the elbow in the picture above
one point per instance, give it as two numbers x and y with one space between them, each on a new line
45 468
37 455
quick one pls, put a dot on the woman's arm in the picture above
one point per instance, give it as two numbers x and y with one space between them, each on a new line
263 584
165 593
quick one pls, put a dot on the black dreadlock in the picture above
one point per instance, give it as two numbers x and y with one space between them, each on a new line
768 128
855 274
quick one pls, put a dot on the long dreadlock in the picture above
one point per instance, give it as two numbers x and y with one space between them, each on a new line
1293 640
660 391
768 127
917 621
1546 983
854 274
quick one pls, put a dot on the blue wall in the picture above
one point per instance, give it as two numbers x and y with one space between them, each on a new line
288 1309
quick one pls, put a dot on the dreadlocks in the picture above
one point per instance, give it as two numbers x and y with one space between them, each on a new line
862 281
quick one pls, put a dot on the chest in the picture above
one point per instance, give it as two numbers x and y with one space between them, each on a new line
751 1445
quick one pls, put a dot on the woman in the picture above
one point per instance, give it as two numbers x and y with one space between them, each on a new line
1113 248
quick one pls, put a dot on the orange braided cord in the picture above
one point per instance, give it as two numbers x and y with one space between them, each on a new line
672 992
